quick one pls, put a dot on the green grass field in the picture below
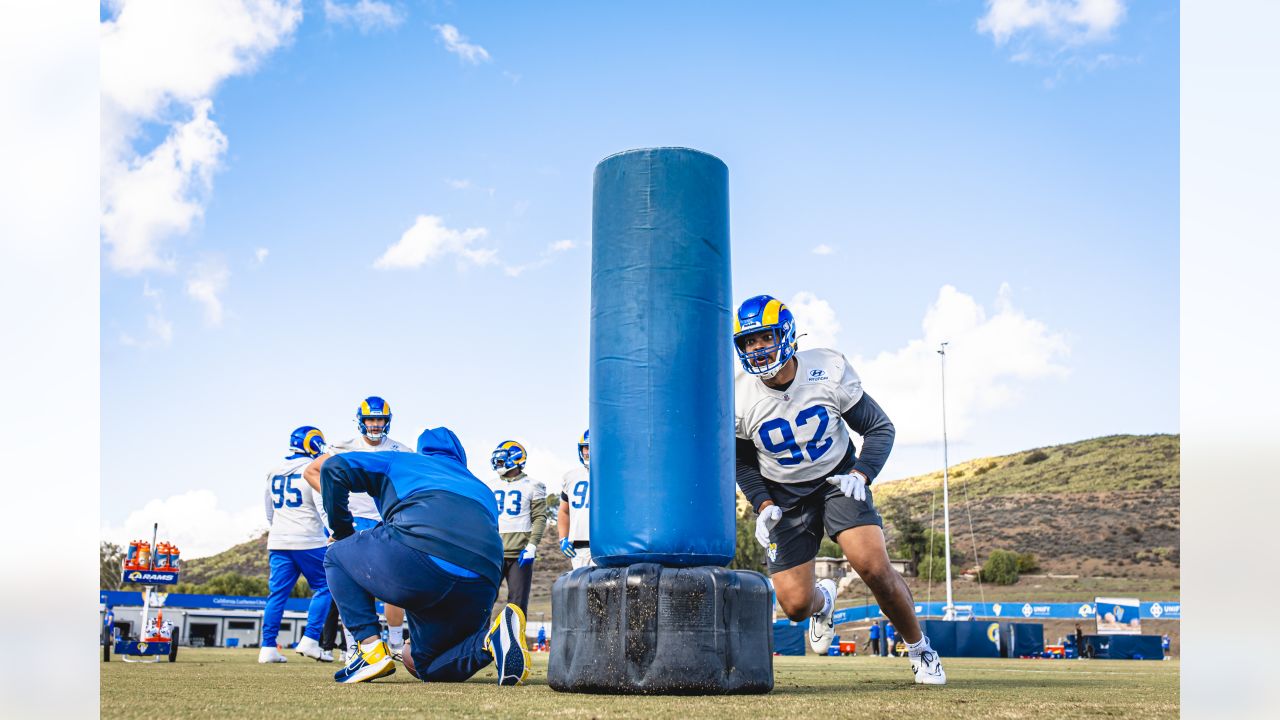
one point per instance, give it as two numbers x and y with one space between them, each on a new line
230 683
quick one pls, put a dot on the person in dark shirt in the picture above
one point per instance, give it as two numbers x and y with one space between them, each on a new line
795 412
437 554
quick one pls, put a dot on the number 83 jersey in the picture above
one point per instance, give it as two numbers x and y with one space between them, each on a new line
798 432
514 499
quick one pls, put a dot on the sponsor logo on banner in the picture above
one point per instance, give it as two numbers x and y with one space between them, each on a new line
1086 610
1026 610
1156 610
996 608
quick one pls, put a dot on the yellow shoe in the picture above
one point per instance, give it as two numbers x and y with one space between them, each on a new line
509 647
367 665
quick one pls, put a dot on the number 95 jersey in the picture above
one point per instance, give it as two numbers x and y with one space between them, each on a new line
798 432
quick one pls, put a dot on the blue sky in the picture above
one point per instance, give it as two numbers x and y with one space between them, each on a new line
1001 175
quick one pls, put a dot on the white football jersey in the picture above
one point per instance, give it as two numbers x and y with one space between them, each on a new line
515 501
294 512
577 485
360 504
798 432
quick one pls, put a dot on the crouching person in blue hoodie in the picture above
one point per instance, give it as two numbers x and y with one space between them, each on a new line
437 554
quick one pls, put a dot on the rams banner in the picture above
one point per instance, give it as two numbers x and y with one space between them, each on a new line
111 598
1015 610
150 577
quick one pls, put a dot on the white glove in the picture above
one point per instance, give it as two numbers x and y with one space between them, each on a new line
765 522
853 485
527 556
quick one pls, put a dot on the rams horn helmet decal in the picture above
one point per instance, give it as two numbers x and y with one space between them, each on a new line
764 313
509 454
373 407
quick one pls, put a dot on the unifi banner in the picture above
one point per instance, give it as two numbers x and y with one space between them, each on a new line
1117 616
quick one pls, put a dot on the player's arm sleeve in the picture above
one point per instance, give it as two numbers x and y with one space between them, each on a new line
538 506
747 473
869 420
319 506
337 481
271 504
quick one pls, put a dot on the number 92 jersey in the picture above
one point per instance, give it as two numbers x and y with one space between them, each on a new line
798 432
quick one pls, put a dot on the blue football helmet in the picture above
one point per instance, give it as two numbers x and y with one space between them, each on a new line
584 449
760 314
373 407
307 440
509 455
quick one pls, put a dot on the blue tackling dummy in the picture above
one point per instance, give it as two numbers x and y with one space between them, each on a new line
437 554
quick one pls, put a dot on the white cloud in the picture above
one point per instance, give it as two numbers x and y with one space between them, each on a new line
162 60
260 255
543 260
816 321
367 15
204 285
561 246
159 328
991 358
459 184
193 521
823 249
156 196
1067 22
456 43
429 239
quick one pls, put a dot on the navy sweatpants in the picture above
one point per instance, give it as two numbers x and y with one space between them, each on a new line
448 614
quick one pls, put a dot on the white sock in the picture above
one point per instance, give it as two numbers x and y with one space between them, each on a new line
919 646
370 644
395 635
351 641
827 600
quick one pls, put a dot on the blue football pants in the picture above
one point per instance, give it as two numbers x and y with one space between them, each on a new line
448 614
286 565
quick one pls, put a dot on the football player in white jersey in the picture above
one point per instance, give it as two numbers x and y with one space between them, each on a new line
296 544
522 518
573 520
799 468
373 418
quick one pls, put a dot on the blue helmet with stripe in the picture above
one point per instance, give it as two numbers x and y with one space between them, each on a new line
757 316
584 449
374 407
509 455
307 440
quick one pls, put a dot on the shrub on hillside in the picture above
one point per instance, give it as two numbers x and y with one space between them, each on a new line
1001 568
1027 563
1035 457
934 567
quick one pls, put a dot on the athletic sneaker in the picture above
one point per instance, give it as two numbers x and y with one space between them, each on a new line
822 627
397 652
367 665
508 646
308 647
325 656
927 667
270 654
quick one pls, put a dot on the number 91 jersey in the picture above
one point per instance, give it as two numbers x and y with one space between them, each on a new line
515 502
798 432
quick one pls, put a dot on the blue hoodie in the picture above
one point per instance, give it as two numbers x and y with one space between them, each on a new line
429 501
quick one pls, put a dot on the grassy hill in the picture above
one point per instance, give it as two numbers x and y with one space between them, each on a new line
1106 506
1101 507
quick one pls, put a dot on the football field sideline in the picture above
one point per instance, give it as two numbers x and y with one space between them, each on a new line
230 683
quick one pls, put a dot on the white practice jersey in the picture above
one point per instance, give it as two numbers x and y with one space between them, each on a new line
294 512
577 490
515 501
360 504
798 432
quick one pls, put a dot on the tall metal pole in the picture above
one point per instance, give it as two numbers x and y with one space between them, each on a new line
948 611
